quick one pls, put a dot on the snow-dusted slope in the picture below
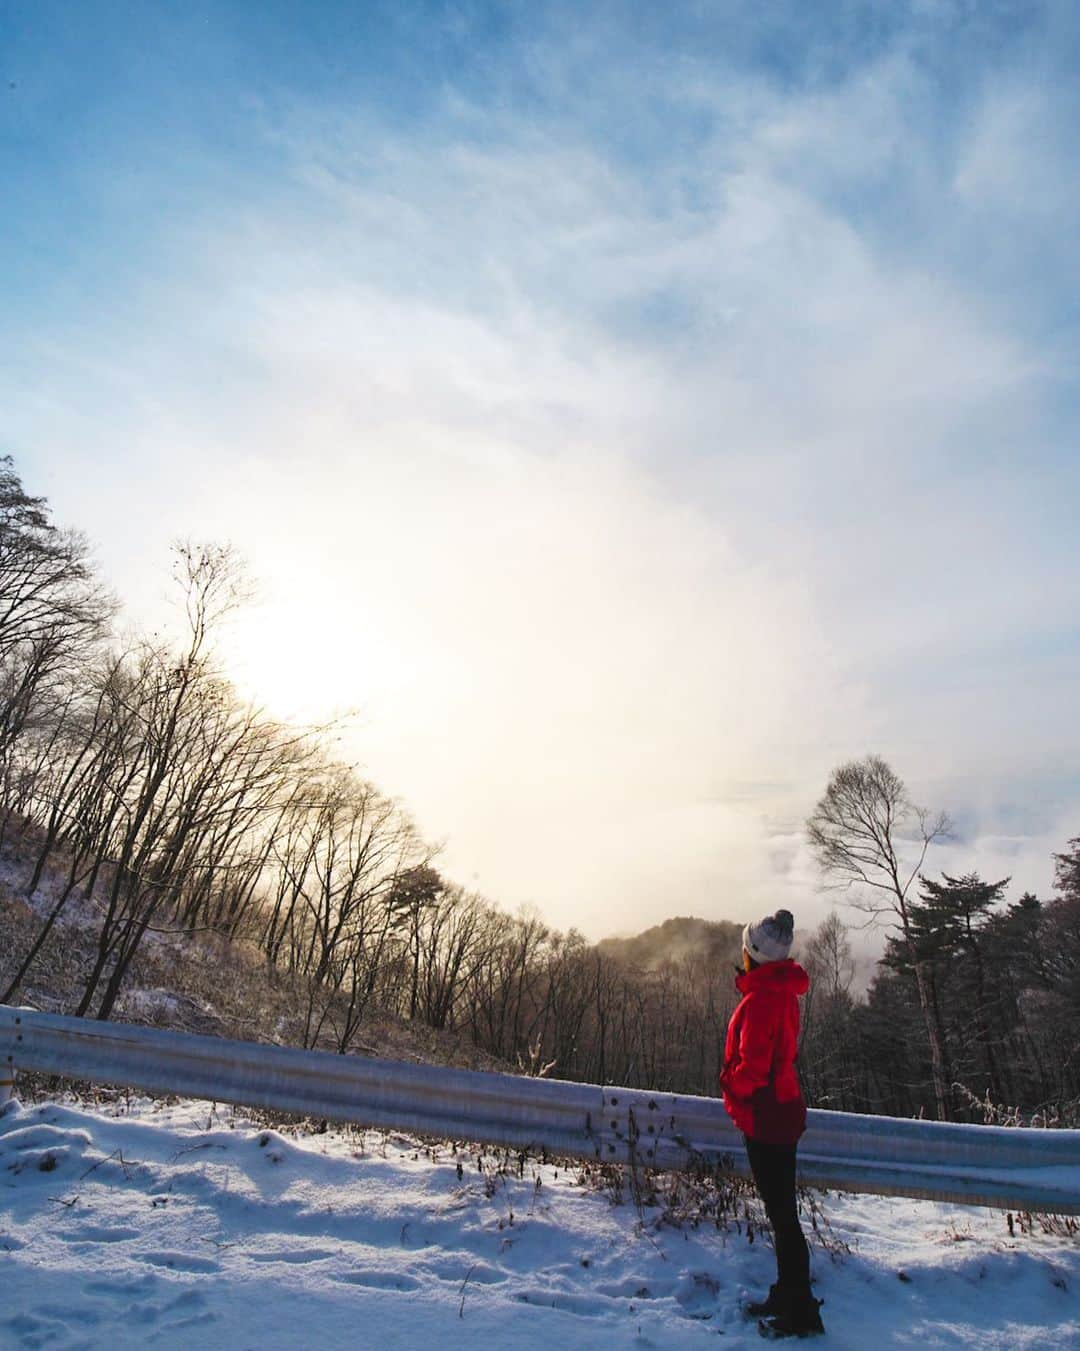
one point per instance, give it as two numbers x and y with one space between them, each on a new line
176 1227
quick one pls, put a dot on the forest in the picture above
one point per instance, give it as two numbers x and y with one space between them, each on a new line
149 798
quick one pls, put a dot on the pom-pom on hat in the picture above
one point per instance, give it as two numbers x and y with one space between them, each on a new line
769 940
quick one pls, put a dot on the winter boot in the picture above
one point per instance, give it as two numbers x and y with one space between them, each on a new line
800 1318
767 1308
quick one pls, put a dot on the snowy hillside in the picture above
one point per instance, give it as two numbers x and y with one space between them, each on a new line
179 1226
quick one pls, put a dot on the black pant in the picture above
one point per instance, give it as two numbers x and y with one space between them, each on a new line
773 1167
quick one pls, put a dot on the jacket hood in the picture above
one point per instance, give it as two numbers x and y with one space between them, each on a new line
786 977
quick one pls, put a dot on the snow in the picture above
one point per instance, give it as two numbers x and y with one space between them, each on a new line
149 1003
15 874
151 1224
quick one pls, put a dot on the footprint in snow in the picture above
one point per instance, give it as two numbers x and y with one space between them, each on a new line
634 1287
99 1233
379 1280
583 1306
477 1273
33 1332
131 1287
295 1257
182 1313
179 1261
54 1325
698 1294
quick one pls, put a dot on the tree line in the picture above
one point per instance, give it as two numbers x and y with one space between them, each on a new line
156 799
974 1010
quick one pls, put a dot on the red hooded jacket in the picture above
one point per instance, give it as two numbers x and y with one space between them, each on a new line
759 1079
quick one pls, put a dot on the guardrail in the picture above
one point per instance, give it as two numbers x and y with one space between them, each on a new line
1018 1169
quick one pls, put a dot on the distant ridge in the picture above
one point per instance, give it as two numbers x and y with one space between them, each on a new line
675 939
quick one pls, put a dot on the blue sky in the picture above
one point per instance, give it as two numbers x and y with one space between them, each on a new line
632 410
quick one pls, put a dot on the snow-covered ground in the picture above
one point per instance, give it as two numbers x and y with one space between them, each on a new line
178 1226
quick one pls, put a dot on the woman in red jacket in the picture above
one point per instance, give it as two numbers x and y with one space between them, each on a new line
763 1098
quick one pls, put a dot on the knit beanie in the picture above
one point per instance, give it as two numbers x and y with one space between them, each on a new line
769 940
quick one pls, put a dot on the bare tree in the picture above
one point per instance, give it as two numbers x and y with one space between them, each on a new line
53 613
870 838
187 734
507 996
82 788
451 934
828 956
829 1029
562 1005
